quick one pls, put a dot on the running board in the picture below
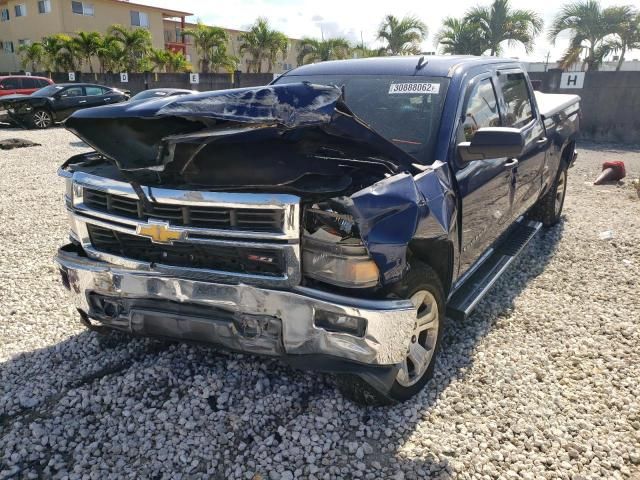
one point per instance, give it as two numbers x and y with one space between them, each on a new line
467 296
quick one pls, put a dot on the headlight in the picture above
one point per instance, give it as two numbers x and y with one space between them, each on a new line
333 251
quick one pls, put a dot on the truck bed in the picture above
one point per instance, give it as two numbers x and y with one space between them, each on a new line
552 103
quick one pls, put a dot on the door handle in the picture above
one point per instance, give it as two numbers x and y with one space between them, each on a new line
82 101
107 99
511 163
541 140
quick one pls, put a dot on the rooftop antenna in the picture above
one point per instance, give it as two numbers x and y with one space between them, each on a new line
421 63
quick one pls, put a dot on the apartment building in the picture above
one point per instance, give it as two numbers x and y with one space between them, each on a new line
176 41
25 21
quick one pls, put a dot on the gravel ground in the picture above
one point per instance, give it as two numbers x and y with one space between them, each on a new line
541 382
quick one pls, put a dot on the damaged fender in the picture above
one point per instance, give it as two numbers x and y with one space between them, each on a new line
401 208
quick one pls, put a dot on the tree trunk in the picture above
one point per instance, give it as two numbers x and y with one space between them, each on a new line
621 59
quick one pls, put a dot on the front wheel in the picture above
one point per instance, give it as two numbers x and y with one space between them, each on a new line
422 286
41 119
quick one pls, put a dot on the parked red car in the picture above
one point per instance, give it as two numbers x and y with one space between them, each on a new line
23 84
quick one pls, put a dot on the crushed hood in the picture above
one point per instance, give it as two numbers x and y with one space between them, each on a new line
298 135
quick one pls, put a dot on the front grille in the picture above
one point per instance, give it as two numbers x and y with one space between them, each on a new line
245 219
268 262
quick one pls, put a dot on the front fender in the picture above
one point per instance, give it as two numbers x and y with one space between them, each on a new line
398 209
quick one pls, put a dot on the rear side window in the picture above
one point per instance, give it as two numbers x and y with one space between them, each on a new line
30 83
11 83
480 111
516 98
42 83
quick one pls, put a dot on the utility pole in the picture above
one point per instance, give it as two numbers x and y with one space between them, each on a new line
546 63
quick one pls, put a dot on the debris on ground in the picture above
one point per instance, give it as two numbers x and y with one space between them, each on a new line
611 172
606 235
11 143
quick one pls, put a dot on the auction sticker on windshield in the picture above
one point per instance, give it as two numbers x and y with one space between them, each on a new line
421 87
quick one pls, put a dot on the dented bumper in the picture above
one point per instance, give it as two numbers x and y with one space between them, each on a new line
239 317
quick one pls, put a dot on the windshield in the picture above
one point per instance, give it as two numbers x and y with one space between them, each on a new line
48 91
404 110
149 94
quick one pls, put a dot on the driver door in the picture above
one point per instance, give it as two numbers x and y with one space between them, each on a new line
68 101
486 186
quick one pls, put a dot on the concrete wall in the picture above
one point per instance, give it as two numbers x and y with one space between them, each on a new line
610 104
140 81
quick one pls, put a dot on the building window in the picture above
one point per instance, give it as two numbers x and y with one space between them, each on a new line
21 10
81 8
139 19
23 41
5 15
44 6
7 47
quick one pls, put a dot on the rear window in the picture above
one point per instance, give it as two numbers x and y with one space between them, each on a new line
404 110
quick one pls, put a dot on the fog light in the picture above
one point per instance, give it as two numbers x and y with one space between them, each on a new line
338 322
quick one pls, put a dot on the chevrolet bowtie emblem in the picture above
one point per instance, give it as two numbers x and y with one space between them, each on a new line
159 232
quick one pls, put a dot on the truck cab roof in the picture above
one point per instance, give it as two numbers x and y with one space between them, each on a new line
432 66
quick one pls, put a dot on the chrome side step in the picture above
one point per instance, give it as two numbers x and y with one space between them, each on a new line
467 296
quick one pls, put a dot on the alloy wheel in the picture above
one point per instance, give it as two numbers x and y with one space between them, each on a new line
423 339
561 190
41 119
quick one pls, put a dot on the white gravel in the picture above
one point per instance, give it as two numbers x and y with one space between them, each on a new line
541 382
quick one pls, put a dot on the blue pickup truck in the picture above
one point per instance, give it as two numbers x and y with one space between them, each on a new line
334 218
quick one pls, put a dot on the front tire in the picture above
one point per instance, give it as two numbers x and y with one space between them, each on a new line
41 119
423 287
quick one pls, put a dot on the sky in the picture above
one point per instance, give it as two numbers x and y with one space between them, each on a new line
360 19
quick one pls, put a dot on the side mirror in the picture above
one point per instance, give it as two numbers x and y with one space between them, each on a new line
492 142
1 87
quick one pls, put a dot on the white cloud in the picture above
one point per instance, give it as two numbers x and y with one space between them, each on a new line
356 19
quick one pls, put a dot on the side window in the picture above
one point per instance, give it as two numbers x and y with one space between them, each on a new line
29 83
42 83
480 111
11 83
516 98
73 92
90 91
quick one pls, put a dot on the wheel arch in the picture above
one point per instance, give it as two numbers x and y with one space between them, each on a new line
438 254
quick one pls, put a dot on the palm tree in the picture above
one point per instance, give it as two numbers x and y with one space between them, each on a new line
210 42
159 59
31 55
263 43
461 37
222 60
403 37
111 55
591 29
59 53
136 44
312 50
628 31
177 62
499 23
87 45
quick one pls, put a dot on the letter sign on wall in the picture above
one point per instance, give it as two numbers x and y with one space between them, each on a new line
194 78
572 80
72 76
124 77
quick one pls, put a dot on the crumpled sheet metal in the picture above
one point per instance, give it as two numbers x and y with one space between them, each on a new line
146 135
401 208
291 105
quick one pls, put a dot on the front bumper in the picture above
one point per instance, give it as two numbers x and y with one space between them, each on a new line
236 316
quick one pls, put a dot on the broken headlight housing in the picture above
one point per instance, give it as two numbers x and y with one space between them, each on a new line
332 250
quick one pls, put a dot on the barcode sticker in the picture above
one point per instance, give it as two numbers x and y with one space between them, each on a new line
422 87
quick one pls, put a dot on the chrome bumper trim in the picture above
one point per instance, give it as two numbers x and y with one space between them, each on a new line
389 322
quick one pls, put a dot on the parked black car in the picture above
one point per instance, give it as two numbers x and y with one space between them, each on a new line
55 103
